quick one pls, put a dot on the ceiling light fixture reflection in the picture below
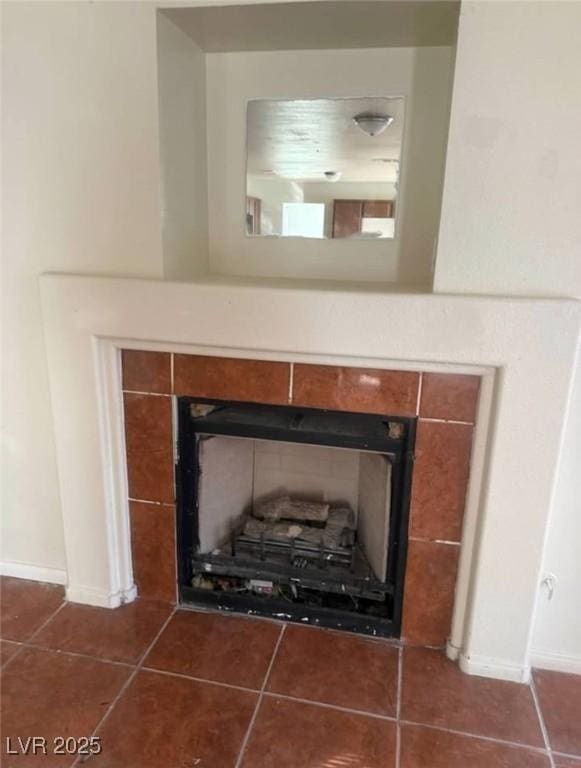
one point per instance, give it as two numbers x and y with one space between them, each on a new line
372 123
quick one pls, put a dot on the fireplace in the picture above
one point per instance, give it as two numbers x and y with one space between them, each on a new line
455 363
294 513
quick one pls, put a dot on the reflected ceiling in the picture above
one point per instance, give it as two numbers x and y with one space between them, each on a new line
303 139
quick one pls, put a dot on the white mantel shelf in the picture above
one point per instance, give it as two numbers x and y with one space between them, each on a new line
524 348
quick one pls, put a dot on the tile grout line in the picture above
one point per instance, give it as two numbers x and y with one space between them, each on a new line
48 649
45 623
126 684
156 503
246 738
183 676
149 394
568 755
433 420
21 647
291 378
27 643
419 398
324 705
470 735
398 708
544 731
171 373
435 541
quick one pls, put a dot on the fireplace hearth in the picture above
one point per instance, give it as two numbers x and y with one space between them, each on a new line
294 513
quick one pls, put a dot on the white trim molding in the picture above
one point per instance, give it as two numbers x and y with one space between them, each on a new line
556 662
100 598
484 666
33 572
509 341
499 669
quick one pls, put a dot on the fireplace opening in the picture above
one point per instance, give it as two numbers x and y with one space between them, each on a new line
298 514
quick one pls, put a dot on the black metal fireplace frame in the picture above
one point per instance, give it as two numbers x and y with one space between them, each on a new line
298 425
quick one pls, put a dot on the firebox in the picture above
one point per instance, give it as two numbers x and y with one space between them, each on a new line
294 513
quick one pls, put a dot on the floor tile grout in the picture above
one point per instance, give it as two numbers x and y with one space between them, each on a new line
126 685
471 735
544 731
324 705
184 676
566 754
48 649
27 643
47 621
17 653
246 738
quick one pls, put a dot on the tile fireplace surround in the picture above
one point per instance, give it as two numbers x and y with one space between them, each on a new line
507 345
445 403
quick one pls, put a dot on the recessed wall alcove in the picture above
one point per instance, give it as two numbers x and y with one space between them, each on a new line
213 60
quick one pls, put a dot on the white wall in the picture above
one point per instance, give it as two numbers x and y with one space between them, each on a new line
223 502
80 193
375 510
422 75
557 632
511 223
182 127
510 214
316 472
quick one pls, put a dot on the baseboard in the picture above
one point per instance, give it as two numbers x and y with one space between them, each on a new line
100 597
33 572
452 651
484 666
556 662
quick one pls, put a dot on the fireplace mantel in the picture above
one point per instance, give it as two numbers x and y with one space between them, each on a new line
524 350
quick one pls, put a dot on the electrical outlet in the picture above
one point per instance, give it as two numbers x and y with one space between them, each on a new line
549 584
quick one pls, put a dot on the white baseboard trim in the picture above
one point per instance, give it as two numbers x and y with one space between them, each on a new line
100 597
484 666
33 572
452 651
556 662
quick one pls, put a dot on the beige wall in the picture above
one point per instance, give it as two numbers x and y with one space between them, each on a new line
511 225
510 214
184 174
80 193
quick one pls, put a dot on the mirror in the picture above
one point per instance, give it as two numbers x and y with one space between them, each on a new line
323 168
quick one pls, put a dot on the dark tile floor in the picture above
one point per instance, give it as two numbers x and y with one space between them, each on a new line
178 689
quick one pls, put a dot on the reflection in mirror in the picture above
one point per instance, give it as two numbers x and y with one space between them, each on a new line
323 168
